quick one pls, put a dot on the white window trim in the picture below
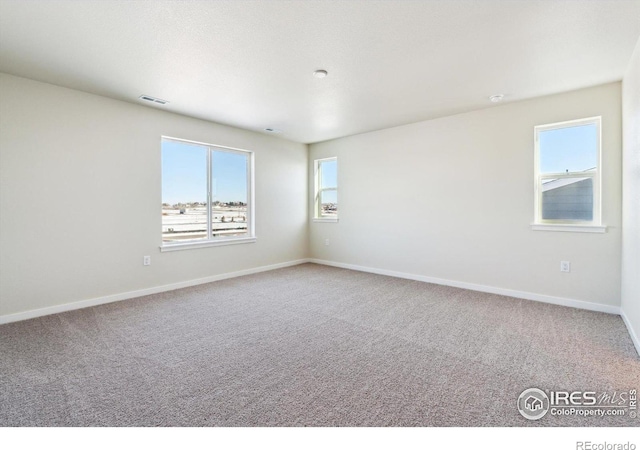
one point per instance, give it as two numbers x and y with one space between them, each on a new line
211 241
568 227
592 226
172 247
317 214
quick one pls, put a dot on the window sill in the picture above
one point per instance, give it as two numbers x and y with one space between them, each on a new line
190 245
569 227
325 219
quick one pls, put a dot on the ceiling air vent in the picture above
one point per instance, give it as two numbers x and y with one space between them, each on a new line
153 99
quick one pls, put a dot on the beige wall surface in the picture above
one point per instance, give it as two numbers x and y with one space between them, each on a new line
453 198
80 195
631 194
450 198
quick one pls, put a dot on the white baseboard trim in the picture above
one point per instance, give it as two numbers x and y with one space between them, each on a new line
8 318
599 307
632 333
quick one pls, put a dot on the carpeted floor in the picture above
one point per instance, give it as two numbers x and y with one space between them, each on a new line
309 346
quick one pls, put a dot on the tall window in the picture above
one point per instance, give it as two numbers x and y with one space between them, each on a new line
568 172
326 189
206 194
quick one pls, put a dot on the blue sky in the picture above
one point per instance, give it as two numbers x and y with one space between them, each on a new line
184 174
329 179
573 149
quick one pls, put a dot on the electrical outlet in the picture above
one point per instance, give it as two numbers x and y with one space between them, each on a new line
146 260
326 242
565 266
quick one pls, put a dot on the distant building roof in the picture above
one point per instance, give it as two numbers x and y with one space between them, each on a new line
560 182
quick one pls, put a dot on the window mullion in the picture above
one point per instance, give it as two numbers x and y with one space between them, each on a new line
250 199
209 194
319 203
318 174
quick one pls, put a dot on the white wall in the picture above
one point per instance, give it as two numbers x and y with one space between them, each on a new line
631 197
80 197
452 198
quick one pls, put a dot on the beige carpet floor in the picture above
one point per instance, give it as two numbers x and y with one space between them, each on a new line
309 346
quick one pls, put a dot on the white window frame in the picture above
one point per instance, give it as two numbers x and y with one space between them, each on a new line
317 209
210 240
589 226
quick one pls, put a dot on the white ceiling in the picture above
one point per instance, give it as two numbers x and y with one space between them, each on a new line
250 63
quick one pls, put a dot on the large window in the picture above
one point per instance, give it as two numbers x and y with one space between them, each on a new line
206 194
326 189
567 159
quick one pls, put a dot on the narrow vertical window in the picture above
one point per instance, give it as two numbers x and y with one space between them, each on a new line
206 195
568 173
326 189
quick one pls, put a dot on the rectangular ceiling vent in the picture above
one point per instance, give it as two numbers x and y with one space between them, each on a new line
153 99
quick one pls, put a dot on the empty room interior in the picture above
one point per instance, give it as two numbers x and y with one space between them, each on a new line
319 213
